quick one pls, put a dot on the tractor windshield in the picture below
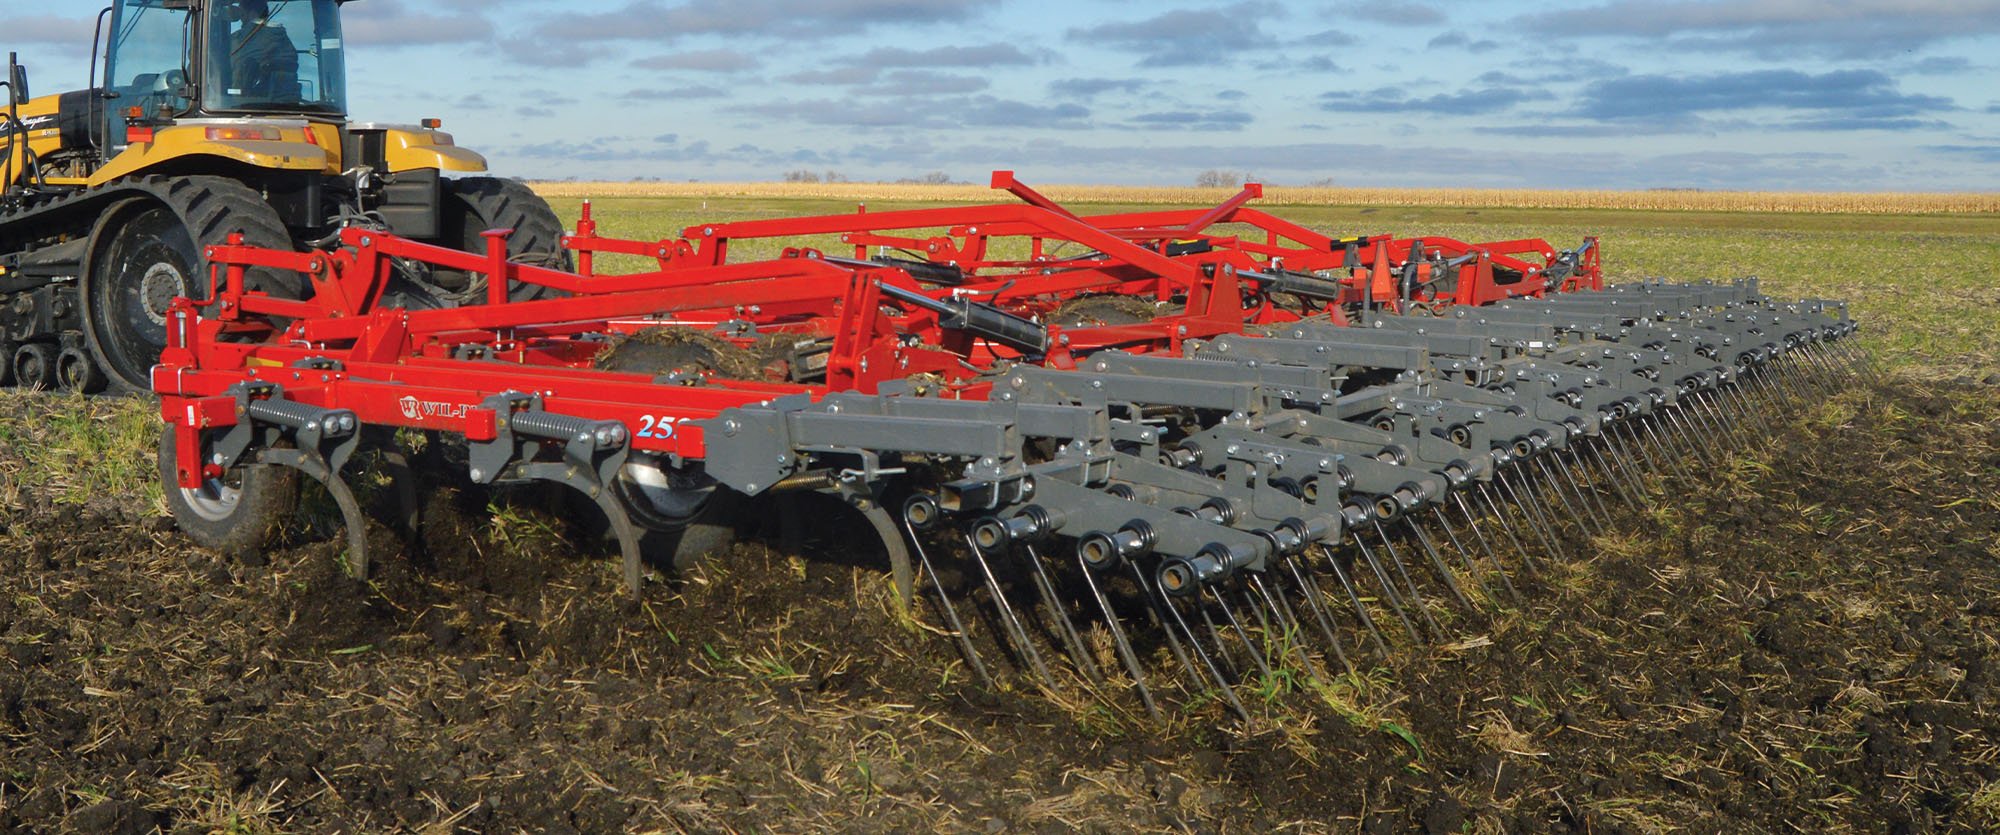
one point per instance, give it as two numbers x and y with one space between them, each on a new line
281 56
147 64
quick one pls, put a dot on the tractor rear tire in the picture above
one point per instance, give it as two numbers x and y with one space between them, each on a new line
474 205
147 250
236 515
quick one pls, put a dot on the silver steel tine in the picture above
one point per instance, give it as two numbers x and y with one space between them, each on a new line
1507 527
950 611
1155 608
1444 521
1121 642
1389 593
1360 609
1571 467
1008 618
1601 451
1465 556
1065 628
1309 589
1193 643
1553 484
1530 514
1416 597
1445 570
1250 645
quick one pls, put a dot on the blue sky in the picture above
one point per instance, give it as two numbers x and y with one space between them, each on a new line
1764 94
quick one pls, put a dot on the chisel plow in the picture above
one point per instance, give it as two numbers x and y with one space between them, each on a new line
1189 453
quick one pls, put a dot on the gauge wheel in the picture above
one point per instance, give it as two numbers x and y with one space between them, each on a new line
236 513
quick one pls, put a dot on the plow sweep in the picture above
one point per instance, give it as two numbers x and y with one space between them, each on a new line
1181 454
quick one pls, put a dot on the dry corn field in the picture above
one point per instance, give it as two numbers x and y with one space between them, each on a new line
1662 200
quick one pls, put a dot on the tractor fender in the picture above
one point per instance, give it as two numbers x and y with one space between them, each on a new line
178 144
414 148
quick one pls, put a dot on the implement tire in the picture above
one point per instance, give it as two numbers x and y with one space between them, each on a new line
235 515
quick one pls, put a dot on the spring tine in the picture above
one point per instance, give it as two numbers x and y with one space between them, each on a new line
1444 569
1551 484
1507 526
1553 474
1215 636
1250 646
1640 455
1179 637
1008 618
1360 609
1123 644
1660 446
1573 467
1610 472
1466 557
1531 516
1719 410
1214 674
950 611
1309 589
1416 597
1747 406
1444 521
1066 629
1282 615
1389 593
1696 434
1412 595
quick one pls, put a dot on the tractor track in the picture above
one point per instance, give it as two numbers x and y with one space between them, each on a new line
1812 647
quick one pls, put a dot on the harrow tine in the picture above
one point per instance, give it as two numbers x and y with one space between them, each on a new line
1123 644
1193 643
1444 569
1310 591
1611 471
1507 526
1066 629
1590 499
1465 556
1531 515
1009 620
1157 607
1292 633
1360 610
1660 446
1552 477
1389 592
1416 596
1444 521
950 611
1250 647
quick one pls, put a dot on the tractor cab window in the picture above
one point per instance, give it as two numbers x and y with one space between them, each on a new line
147 65
280 56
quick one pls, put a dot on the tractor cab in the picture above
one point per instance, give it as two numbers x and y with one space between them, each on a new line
180 59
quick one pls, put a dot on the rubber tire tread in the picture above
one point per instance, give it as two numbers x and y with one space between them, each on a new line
269 496
502 203
210 208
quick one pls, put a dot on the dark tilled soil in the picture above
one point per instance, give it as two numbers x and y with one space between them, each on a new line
1804 640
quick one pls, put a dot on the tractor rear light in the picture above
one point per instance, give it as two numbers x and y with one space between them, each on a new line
240 134
136 134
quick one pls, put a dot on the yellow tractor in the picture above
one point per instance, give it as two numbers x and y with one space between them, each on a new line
213 117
